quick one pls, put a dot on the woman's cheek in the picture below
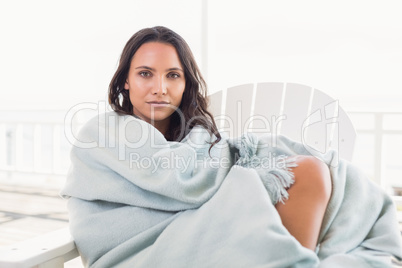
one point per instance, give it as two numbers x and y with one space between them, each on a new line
144 85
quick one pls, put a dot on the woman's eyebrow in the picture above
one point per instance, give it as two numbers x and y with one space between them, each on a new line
145 67
152 69
175 69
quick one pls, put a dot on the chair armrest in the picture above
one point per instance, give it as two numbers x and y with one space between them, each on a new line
49 250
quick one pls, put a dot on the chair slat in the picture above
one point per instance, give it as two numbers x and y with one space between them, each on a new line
238 109
267 107
40 251
347 136
215 106
319 129
215 103
295 108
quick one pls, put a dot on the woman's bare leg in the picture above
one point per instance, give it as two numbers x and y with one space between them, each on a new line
303 212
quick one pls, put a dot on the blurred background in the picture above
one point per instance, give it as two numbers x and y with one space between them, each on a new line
60 55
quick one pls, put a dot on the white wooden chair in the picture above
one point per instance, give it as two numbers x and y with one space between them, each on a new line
300 112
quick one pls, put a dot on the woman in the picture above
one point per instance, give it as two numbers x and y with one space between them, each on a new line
158 75
162 188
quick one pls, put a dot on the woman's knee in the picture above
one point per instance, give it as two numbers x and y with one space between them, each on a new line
312 175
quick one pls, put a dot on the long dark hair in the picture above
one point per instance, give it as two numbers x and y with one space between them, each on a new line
193 109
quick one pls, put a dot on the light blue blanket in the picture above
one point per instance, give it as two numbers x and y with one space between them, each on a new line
137 200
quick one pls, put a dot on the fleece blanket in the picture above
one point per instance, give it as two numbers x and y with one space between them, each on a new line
137 200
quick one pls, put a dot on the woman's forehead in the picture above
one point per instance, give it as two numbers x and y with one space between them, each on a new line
156 53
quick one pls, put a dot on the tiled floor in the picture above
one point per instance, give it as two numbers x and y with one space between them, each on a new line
26 212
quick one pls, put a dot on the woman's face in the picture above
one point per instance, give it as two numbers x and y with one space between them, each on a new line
155 83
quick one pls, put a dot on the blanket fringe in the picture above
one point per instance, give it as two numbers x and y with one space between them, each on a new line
274 171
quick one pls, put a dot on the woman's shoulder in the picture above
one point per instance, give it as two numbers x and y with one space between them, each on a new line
90 131
99 120
117 127
108 118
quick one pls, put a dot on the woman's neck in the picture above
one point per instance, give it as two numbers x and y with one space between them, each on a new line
162 126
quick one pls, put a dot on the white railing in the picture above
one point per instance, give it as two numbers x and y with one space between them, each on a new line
34 143
379 142
33 147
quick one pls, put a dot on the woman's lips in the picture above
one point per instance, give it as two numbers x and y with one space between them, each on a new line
158 104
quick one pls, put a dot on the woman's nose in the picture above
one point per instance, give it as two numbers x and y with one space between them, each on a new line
160 87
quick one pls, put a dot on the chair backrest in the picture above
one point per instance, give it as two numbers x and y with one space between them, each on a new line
297 111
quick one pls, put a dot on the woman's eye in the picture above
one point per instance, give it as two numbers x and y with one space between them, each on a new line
145 74
173 75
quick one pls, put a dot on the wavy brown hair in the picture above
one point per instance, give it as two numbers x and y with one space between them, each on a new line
193 108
